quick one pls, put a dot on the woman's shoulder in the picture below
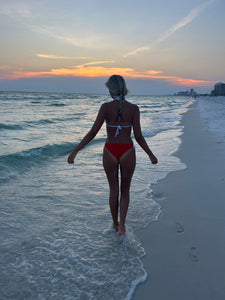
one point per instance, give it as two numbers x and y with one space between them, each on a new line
105 105
132 105
110 104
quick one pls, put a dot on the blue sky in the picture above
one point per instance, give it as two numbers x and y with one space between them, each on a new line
160 47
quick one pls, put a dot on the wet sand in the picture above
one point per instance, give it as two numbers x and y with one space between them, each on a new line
185 249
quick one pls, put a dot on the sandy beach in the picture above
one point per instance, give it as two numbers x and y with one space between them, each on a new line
185 249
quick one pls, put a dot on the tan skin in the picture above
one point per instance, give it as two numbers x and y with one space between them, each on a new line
130 116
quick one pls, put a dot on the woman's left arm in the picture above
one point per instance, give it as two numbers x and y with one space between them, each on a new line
90 135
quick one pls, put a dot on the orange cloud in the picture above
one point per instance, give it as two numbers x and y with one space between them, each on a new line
52 56
88 70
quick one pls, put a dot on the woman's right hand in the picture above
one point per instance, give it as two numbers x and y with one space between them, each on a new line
70 158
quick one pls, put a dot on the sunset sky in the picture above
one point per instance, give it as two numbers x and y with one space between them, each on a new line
160 47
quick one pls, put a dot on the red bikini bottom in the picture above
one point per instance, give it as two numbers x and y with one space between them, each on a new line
118 150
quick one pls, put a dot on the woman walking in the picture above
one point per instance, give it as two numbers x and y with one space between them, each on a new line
119 153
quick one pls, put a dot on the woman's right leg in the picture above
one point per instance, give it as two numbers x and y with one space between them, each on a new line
127 166
111 164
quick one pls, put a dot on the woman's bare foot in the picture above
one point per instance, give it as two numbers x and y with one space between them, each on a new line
122 230
116 226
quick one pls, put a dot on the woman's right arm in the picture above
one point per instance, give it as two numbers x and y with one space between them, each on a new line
139 137
90 135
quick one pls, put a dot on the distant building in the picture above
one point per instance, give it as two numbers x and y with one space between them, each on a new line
187 93
193 93
219 89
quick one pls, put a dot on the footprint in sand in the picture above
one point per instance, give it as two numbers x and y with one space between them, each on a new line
179 227
158 195
194 254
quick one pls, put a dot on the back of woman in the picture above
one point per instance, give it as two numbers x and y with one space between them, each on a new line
118 153
126 123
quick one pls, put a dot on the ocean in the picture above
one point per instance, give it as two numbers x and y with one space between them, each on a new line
56 236
212 110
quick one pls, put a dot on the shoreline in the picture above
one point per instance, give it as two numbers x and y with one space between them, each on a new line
185 247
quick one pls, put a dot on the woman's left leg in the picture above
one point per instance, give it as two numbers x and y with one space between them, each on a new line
127 166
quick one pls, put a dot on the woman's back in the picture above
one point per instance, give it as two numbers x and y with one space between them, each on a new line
119 131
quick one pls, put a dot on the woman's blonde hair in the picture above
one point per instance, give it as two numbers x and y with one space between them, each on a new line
117 86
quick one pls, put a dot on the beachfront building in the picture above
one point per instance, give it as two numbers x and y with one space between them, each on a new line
219 89
187 93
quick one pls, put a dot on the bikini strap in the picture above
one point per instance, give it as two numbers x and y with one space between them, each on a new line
119 127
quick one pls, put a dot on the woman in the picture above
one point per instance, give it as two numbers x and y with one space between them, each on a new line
119 153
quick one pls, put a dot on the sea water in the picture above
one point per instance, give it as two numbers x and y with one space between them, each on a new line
212 110
56 238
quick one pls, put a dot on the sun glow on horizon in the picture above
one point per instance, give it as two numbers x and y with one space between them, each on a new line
89 70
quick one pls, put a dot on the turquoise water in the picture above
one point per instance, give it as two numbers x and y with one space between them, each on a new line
56 240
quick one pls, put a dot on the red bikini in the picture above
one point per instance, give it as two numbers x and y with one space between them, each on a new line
118 150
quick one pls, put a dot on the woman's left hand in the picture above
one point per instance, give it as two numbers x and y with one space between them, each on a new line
154 159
